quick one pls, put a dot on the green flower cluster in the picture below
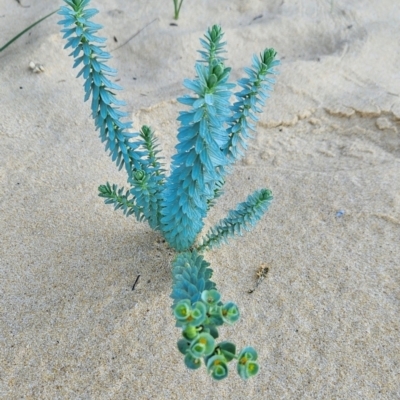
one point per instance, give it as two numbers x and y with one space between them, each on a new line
199 321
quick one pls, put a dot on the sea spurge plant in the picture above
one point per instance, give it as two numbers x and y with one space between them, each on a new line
213 133
198 164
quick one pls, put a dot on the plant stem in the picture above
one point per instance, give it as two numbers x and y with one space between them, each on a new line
26 30
177 8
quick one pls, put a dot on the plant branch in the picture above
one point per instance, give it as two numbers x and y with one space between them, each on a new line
119 200
246 215
199 160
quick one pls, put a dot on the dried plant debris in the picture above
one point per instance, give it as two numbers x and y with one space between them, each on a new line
261 274
37 68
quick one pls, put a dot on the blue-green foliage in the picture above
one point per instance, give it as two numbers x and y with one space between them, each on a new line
253 95
218 191
81 37
212 135
191 276
246 215
135 155
199 162
148 182
126 202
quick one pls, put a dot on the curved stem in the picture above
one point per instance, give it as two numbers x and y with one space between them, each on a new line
26 30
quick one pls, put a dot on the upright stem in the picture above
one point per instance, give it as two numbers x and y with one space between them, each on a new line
177 8
28 28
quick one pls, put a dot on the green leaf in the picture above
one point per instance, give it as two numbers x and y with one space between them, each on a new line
230 313
198 314
210 297
183 346
177 8
228 350
213 331
217 367
192 362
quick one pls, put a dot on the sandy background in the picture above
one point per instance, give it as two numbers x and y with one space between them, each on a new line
325 320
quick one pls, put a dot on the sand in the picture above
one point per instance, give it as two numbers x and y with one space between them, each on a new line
325 320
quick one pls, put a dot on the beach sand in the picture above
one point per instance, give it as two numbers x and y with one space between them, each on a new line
325 320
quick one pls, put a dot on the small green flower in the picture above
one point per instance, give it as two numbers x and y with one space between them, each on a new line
139 175
203 345
214 315
248 370
247 365
192 362
230 313
217 367
210 297
182 310
198 315
188 315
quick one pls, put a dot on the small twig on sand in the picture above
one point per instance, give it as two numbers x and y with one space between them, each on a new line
136 281
261 274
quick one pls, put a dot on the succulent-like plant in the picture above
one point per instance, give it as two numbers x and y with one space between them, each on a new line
212 135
